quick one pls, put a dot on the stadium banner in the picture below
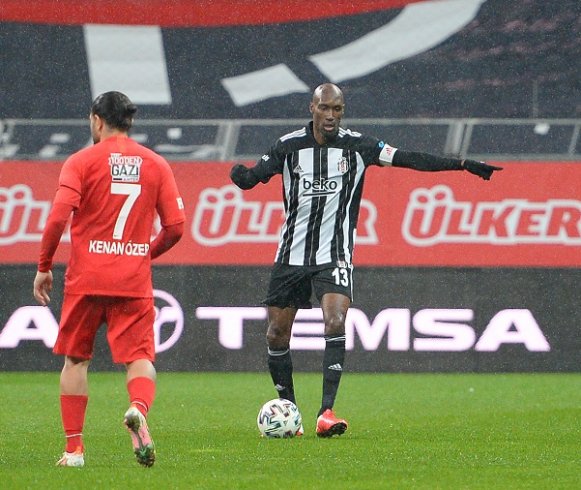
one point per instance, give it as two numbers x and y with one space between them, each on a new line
527 215
402 320
184 13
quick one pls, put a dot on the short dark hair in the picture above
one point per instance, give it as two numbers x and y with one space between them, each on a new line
115 109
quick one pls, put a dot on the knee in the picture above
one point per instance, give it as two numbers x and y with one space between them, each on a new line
335 324
75 363
277 336
140 368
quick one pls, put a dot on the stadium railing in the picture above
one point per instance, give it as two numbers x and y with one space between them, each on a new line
246 139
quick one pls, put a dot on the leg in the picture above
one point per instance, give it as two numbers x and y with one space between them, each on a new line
74 378
81 317
141 376
280 322
335 308
73 402
141 388
131 339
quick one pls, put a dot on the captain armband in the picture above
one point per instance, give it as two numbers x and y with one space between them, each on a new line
386 155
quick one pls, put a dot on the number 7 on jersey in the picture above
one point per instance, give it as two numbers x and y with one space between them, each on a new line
132 192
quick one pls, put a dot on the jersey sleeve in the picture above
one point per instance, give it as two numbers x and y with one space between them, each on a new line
67 195
53 231
71 174
371 149
170 205
271 163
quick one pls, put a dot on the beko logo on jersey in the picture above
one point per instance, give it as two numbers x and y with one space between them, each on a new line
125 168
222 216
319 187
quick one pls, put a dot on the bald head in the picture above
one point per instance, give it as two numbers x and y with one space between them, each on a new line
327 108
327 91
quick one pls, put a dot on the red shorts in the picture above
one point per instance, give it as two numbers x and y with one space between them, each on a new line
129 327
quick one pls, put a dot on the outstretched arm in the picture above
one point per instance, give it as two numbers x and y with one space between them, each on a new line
432 163
270 164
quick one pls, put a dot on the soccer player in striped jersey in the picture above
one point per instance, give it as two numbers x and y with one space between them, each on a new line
113 190
323 167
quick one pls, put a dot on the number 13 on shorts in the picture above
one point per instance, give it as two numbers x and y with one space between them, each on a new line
342 276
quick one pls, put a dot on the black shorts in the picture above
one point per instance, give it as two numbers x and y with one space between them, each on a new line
293 285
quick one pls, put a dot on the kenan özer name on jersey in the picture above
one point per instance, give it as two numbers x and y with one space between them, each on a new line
118 248
393 329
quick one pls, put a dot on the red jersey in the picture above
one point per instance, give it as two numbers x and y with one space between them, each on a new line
119 185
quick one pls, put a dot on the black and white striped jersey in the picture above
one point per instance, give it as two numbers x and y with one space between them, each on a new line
322 192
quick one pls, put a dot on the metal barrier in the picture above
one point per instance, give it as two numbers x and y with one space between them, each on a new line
247 139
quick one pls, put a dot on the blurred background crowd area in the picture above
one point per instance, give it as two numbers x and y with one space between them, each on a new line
483 78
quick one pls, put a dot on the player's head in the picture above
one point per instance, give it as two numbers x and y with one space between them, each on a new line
327 108
112 111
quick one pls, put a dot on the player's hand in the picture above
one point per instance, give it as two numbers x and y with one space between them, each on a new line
481 169
243 177
42 286
237 173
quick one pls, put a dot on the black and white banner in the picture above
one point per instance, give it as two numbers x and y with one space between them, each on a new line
402 320
394 59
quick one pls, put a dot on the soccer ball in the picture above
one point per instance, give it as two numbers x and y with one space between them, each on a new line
279 418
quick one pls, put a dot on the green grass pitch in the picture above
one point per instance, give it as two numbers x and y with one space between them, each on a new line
432 431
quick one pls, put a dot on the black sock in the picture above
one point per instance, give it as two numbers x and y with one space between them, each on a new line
333 360
280 366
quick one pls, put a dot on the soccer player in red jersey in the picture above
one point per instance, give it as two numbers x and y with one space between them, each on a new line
113 190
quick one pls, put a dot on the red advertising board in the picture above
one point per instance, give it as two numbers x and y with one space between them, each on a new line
184 12
528 215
